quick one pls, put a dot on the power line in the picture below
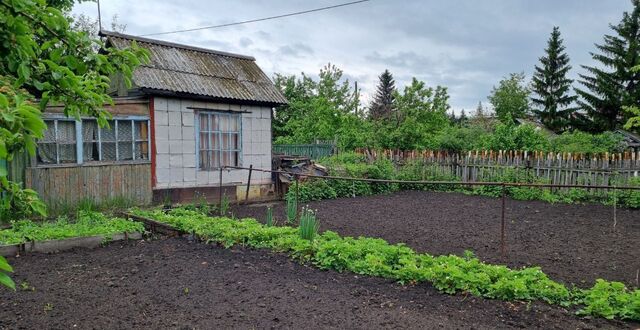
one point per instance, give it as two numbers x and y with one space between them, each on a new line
257 20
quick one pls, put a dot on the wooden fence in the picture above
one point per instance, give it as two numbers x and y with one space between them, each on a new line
313 151
555 168
101 183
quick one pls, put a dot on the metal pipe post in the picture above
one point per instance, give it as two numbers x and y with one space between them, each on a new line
220 192
246 194
297 191
503 243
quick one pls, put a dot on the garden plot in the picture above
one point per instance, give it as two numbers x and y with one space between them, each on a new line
572 243
173 283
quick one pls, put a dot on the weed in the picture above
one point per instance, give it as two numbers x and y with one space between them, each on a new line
224 204
48 307
185 290
24 286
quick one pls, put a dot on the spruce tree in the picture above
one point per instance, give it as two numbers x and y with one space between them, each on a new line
382 104
613 84
551 86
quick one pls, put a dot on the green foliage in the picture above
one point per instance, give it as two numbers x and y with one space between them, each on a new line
292 207
382 106
611 300
612 84
323 109
312 190
375 257
354 165
43 57
87 224
4 277
510 99
508 136
580 142
269 222
419 112
17 203
309 224
551 86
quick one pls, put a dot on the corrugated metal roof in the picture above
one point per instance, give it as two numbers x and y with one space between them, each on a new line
191 70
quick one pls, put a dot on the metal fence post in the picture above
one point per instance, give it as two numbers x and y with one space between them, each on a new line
246 194
297 192
503 248
220 192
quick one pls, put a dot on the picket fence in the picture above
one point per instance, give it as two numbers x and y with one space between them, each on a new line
555 168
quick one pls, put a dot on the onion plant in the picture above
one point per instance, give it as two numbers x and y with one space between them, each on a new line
269 222
309 224
292 210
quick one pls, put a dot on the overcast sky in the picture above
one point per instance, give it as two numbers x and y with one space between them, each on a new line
465 45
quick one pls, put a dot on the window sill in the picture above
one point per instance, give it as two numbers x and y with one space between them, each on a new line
93 164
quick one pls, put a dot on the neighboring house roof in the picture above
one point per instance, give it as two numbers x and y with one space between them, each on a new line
631 139
538 125
182 70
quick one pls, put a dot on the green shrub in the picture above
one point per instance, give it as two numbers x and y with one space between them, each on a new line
87 224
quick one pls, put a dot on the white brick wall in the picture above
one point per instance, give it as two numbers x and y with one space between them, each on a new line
176 165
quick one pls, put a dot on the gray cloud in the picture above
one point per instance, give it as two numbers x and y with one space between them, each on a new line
245 42
466 45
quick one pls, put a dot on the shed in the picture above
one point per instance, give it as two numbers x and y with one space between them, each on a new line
189 112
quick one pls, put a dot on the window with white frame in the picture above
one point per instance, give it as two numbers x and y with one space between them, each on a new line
69 141
219 139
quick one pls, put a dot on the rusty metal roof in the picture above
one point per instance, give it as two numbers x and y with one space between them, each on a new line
183 69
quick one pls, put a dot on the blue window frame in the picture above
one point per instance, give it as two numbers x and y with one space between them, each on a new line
67 141
219 139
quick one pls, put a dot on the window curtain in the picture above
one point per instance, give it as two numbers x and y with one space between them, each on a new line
66 141
89 136
47 145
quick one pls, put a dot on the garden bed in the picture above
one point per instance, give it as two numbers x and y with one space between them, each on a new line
89 230
58 245
176 284
572 243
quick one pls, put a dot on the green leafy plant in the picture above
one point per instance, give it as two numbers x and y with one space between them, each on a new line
309 224
87 224
4 277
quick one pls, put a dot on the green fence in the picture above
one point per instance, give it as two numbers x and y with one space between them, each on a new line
313 151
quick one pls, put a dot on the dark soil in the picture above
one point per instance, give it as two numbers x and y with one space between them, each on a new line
572 243
172 283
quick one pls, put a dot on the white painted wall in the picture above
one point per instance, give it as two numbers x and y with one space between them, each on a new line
175 134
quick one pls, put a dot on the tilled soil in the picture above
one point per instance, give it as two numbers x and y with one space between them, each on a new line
572 243
172 283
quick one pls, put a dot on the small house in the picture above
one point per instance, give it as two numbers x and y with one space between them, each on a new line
190 112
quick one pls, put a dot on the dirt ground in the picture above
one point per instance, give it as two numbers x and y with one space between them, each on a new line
572 243
172 283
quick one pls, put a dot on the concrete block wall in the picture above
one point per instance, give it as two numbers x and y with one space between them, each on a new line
175 134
